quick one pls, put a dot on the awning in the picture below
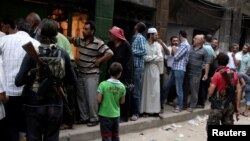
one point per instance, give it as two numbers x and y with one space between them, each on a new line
197 13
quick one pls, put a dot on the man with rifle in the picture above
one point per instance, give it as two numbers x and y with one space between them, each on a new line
224 94
43 75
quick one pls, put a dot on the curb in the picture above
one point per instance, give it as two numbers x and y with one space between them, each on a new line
82 133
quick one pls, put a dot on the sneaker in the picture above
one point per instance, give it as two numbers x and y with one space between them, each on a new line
134 118
200 106
92 123
176 110
190 110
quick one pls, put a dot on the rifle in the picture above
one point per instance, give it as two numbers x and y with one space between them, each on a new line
30 49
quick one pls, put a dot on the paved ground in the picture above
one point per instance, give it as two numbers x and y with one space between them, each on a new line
191 130
84 133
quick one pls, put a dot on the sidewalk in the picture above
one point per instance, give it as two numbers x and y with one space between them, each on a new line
84 133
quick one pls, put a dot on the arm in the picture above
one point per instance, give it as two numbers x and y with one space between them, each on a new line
3 97
164 46
207 66
104 58
122 100
236 59
108 53
238 98
154 58
211 89
180 53
243 84
99 98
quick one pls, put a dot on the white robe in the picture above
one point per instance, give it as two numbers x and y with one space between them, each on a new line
150 102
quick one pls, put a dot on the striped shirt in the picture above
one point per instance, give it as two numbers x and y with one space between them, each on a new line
12 55
181 56
88 55
139 50
197 57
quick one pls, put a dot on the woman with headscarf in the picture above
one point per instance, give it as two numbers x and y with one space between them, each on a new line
122 54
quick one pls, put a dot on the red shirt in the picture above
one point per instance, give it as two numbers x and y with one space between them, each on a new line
219 81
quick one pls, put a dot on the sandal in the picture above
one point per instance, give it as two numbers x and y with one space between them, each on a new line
244 114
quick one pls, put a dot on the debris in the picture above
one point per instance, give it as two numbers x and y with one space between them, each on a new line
193 123
168 128
141 134
181 135
176 126
178 139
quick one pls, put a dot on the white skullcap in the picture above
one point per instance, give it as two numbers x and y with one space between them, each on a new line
152 30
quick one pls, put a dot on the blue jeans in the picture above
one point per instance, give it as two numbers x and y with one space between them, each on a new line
137 90
167 87
43 122
179 78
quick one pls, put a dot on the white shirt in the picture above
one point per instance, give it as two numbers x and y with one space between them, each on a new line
12 55
231 64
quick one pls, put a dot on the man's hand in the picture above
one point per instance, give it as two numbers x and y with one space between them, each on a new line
204 78
97 63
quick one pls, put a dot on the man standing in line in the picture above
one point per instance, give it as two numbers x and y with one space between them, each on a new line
12 55
139 51
197 57
179 68
92 52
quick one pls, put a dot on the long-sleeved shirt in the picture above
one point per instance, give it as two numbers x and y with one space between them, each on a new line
139 50
12 55
181 57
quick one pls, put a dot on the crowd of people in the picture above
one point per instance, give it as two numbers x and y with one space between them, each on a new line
135 85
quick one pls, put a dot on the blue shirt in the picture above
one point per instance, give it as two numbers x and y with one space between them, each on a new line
181 56
139 50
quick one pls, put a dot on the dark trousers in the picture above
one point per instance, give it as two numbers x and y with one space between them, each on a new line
125 108
43 122
203 90
109 128
15 118
69 105
3 129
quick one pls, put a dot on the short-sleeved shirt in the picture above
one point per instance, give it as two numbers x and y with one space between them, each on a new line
112 90
197 57
89 53
219 81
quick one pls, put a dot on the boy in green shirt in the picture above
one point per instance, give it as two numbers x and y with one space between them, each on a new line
111 95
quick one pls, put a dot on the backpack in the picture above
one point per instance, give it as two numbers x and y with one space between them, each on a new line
50 72
221 99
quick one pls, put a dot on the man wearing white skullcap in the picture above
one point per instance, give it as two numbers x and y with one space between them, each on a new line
150 102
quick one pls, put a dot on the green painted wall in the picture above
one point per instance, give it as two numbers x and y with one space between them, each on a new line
104 20
104 17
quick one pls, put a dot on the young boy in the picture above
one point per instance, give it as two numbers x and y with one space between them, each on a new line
111 95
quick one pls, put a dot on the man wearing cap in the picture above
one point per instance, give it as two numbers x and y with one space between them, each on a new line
139 51
122 54
150 102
